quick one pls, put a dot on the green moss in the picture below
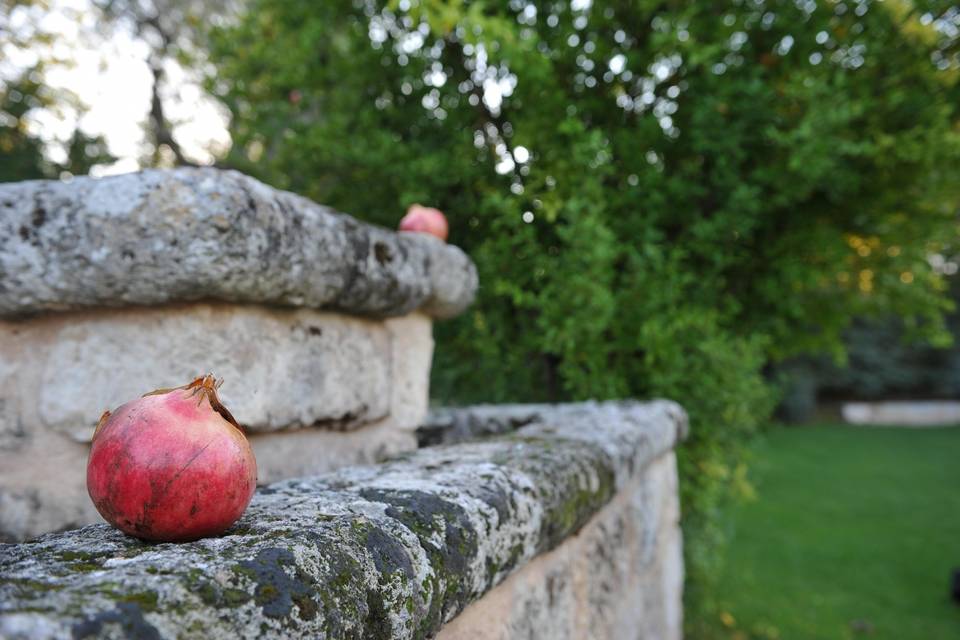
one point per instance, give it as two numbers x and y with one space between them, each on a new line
211 594
147 600
493 568
195 630
243 571
207 593
277 533
342 579
515 554
306 606
235 597
360 530
570 506
134 551
106 588
266 593
377 623
76 555
34 610
240 530
32 589
80 561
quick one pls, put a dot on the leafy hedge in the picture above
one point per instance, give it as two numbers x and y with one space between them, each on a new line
662 197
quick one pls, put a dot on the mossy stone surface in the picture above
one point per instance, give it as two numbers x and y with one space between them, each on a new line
388 551
200 233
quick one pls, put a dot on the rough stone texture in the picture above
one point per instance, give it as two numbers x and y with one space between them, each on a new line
283 369
620 577
188 234
449 425
301 371
391 551
310 452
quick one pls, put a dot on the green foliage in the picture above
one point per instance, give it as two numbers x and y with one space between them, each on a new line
881 364
24 153
883 360
21 155
667 197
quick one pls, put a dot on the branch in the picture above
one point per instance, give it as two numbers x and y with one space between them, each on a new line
160 125
162 133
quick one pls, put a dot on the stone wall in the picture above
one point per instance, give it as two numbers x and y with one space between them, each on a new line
564 528
314 390
620 577
320 325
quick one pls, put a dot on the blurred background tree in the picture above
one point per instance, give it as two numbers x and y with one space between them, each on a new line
883 360
46 50
24 155
663 198
21 155
174 31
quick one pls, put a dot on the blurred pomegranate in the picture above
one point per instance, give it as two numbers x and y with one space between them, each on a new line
171 466
425 220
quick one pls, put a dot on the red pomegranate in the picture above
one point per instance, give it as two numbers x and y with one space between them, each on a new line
171 466
425 220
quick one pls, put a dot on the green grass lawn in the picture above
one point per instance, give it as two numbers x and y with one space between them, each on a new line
853 535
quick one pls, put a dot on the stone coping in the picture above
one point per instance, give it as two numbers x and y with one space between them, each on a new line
188 234
449 425
388 551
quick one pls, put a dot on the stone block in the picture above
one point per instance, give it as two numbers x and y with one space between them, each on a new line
165 236
294 378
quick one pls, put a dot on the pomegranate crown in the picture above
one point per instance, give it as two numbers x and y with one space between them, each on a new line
202 387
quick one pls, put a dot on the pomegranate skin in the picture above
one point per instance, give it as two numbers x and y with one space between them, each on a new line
171 466
425 220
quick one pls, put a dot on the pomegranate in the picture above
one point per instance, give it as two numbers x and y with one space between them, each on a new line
425 220
171 466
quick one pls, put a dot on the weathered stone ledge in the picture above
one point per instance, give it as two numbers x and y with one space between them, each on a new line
450 425
389 551
189 234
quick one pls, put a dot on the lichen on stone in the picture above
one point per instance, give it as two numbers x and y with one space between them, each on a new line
388 551
203 233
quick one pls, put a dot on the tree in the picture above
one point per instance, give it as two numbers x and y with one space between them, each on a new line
174 31
171 32
23 155
662 198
